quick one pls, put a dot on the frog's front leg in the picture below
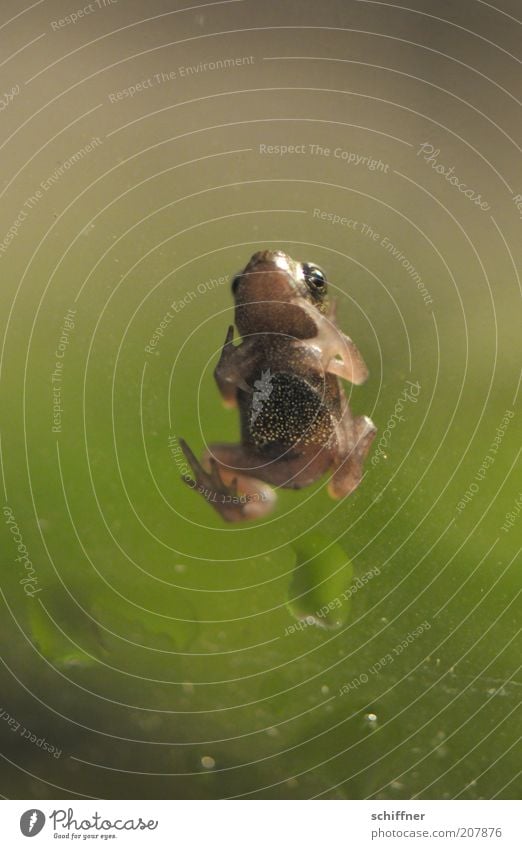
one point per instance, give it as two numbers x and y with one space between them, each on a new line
354 441
222 479
347 361
233 364
339 355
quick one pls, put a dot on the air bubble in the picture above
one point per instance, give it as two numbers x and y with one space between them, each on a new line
371 720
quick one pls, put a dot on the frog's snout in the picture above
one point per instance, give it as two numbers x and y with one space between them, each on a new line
278 258
263 256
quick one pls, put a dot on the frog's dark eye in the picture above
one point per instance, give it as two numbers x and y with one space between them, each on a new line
235 283
314 276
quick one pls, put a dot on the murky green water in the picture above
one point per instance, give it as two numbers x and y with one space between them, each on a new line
346 649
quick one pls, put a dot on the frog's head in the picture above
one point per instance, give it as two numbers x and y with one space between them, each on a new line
270 293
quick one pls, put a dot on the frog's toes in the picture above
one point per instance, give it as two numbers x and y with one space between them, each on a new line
193 462
221 495
211 480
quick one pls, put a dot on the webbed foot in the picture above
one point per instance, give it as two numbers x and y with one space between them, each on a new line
221 488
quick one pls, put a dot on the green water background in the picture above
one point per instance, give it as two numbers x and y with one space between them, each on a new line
162 636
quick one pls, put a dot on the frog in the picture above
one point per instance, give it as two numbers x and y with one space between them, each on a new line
284 379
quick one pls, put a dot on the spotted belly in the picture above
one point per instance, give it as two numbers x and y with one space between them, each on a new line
284 410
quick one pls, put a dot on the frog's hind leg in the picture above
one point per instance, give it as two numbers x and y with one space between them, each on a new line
348 471
223 479
286 469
